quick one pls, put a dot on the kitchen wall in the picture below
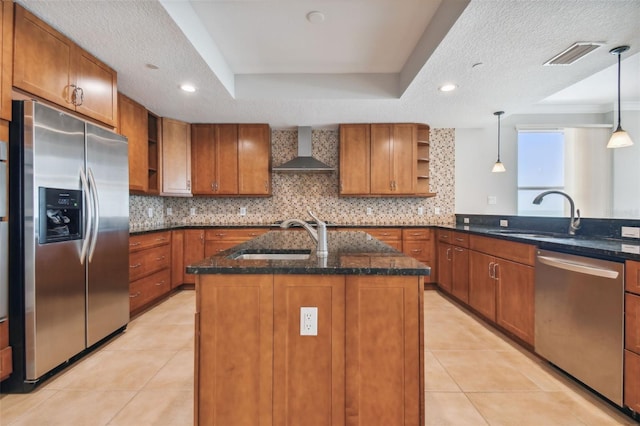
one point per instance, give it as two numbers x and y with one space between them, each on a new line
294 193
476 151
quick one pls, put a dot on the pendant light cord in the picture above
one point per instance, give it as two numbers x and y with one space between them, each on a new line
499 136
619 111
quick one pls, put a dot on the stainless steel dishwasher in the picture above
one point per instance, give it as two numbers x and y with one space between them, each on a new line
579 318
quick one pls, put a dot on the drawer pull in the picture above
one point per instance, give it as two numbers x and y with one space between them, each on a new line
459 239
160 239
160 283
416 251
458 249
444 237
221 234
161 258
137 265
416 234
134 244
133 296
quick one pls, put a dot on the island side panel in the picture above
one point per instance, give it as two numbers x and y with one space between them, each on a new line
383 350
308 377
234 350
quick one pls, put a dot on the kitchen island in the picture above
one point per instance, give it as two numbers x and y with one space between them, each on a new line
356 359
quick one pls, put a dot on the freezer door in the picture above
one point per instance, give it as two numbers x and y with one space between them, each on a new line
108 255
54 277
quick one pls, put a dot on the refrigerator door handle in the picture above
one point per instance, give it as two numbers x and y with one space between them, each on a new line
88 220
96 214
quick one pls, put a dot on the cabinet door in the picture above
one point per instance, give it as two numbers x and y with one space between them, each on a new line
355 156
404 164
6 59
515 298
632 322
254 159
444 266
176 157
482 286
294 401
632 276
383 350
226 159
203 158
177 258
132 123
42 59
234 350
98 84
460 273
382 161
631 382
193 251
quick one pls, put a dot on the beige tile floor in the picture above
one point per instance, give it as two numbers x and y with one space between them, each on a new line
474 376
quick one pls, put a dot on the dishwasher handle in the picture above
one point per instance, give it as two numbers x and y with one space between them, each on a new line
578 267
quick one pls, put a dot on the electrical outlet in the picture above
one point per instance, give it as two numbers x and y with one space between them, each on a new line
169 211
436 210
504 223
630 232
308 321
193 211
150 211
492 199
369 211
243 211
465 220
420 210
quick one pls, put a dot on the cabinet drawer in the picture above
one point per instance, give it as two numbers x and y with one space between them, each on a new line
632 322
517 252
632 278
143 263
145 241
444 235
417 249
242 234
212 248
149 288
384 234
416 234
460 239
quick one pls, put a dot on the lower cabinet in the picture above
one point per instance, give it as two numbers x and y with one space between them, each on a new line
419 244
221 239
364 367
632 336
482 288
453 263
6 363
149 268
193 251
632 380
177 258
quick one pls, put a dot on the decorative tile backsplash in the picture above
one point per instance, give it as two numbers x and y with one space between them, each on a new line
294 193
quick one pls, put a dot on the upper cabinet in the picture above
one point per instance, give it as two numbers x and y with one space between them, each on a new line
384 160
176 157
6 59
49 65
231 159
132 123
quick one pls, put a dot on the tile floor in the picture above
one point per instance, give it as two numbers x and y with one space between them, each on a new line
474 376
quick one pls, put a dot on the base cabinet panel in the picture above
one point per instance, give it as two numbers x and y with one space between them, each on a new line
632 380
482 285
515 299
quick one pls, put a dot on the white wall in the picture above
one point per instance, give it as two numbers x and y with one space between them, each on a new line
476 151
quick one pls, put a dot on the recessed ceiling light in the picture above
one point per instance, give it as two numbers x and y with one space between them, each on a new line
448 87
188 88
315 17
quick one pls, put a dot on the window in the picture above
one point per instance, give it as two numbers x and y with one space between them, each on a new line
540 168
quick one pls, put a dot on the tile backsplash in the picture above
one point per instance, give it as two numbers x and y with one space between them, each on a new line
294 193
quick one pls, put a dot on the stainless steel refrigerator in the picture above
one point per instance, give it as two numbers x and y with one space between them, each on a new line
69 233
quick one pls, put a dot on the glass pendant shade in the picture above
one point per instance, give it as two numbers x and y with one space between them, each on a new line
498 167
619 138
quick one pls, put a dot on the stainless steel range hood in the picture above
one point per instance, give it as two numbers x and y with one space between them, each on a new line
304 162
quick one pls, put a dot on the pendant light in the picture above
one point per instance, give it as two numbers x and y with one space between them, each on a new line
498 167
619 138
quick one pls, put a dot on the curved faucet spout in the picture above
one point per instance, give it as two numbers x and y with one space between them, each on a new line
574 223
287 223
319 235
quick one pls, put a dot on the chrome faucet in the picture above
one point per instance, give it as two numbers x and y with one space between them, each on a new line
574 223
319 235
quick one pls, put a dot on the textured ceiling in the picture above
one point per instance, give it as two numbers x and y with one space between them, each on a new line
291 79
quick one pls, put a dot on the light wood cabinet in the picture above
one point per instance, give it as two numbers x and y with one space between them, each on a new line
632 322
221 239
133 123
6 59
632 336
154 154
631 381
149 269
51 66
301 360
632 277
6 353
193 251
177 258
393 159
176 157
419 244
384 160
453 263
355 159
231 159
502 284
390 236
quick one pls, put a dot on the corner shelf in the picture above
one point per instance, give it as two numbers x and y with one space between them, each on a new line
422 174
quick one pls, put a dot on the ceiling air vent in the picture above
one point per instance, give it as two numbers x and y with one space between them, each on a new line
573 53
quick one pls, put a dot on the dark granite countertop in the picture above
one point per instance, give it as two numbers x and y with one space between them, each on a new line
350 253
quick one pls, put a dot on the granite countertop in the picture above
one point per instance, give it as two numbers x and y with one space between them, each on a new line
350 253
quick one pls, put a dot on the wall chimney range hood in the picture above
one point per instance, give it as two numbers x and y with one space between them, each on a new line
304 162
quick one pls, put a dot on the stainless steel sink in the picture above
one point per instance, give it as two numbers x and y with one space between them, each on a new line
271 256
